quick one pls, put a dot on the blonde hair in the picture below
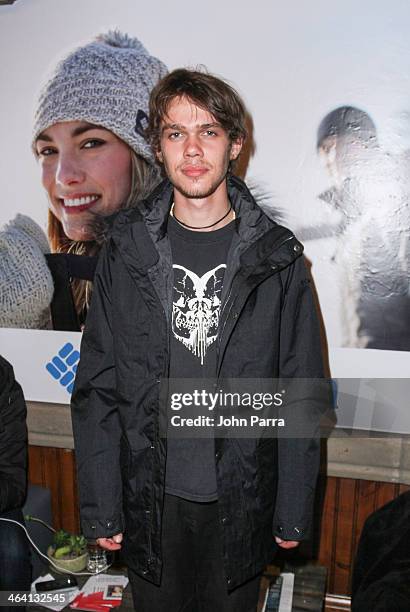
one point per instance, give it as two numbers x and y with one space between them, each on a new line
144 177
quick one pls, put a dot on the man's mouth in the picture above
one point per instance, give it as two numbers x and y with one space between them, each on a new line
194 171
79 203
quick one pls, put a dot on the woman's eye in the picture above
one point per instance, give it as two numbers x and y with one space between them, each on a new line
92 143
45 152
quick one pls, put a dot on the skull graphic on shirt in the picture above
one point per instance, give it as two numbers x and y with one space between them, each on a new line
195 310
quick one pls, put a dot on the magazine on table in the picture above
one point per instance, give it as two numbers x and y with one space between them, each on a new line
100 593
279 594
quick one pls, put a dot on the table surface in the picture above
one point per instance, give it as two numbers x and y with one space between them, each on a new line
308 593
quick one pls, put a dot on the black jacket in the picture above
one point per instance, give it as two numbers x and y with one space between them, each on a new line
268 328
381 577
13 440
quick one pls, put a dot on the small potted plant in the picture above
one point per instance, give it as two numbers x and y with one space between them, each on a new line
68 551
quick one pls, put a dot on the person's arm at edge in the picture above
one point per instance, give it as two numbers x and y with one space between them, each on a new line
13 441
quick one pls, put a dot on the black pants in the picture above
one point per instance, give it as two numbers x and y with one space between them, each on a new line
193 576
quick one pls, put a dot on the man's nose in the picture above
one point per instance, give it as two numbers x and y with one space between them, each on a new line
69 170
193 146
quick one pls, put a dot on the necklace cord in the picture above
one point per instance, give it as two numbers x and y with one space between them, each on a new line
172 213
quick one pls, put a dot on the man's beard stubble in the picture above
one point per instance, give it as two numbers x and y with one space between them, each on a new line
197 193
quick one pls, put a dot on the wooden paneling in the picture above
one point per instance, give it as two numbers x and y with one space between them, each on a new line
385 492
345 506
337 604
327 542
365 503
54 468
347 503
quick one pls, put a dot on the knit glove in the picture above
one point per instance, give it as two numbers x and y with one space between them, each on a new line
26 284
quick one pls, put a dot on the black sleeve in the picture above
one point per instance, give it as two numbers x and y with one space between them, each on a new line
307 398
13 440
94 410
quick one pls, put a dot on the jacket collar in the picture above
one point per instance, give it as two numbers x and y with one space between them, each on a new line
139 231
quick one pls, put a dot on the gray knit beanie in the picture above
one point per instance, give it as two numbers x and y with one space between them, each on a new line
106 82
26 284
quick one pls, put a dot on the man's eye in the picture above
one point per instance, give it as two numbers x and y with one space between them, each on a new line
92 143
174 135
210 133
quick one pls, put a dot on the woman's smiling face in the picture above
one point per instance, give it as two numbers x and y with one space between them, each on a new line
85 170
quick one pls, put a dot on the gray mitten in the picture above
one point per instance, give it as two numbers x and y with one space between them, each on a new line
26 284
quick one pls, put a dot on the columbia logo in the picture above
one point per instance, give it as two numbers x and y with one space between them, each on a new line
63 366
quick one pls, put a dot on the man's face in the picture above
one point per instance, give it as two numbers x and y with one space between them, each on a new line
195 149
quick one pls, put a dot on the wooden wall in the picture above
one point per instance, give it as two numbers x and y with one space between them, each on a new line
54 468
347 503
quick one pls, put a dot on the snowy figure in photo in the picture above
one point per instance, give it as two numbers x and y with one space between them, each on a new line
369 191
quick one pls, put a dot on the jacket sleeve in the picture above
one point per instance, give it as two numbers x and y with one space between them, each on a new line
306 399
13 441
95 418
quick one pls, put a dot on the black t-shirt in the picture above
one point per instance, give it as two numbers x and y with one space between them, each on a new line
199 263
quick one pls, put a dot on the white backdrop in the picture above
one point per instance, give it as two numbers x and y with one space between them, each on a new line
292 61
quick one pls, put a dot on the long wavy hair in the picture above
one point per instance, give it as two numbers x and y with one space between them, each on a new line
144 177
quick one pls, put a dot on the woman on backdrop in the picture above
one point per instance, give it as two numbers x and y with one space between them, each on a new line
89 139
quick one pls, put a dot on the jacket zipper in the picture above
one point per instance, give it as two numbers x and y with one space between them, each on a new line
155 444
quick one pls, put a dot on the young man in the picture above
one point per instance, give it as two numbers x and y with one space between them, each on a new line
196 282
